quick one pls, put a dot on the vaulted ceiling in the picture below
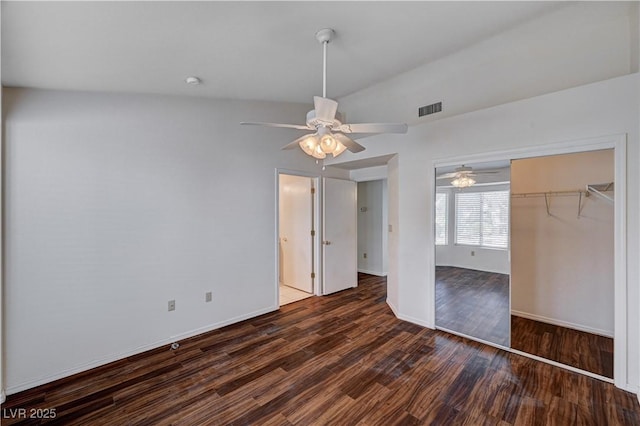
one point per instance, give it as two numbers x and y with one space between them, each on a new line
240 50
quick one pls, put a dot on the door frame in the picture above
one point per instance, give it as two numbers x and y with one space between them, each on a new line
616 142
317 252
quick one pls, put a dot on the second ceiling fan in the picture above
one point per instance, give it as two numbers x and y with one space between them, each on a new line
329 133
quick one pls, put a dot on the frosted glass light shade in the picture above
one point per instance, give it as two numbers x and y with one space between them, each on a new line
320 146
309 144
328 144
463 182
318 153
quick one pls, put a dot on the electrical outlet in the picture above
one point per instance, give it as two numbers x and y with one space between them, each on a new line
172 305
364 255
208 297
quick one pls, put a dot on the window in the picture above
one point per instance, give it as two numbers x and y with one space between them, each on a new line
482 219
442 211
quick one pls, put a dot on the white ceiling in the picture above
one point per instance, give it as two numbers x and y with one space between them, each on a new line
241 50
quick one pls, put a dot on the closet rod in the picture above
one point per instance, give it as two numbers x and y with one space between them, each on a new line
548 194
575 192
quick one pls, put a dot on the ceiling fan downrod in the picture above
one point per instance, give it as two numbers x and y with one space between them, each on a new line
324 36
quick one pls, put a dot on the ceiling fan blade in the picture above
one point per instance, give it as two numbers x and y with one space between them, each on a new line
447 176
325 109
295 143
374 128
351 145
285 126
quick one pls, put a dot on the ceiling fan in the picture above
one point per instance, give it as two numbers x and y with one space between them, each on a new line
329 133
463 176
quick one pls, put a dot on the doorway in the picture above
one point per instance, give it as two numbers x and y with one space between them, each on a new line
372 227
297 206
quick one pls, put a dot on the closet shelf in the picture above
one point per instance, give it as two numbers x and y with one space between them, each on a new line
599 189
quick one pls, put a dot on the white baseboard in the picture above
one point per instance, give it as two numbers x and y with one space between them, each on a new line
476 268
407 318
116 357
376 273
3 396
393 307
558 364
561 323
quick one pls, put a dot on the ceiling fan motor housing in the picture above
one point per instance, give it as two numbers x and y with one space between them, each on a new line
314 122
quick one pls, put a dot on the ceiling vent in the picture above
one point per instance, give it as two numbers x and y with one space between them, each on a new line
429 109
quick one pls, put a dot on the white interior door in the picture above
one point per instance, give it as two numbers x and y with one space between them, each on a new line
340 240
295 225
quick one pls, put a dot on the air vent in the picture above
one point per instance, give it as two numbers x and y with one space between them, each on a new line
429 109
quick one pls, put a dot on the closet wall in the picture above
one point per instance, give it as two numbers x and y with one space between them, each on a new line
562 265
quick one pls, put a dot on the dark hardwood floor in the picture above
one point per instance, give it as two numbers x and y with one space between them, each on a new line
474 303
578 349
342 359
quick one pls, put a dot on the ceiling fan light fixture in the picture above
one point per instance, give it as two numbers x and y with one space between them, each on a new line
318 153
463 182
309 144
339 149
328 143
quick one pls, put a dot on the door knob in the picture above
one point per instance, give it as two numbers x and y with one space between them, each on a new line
326 243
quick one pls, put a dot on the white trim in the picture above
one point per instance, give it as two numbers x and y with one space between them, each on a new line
407 318
558 364
620 265
393 307
116 357
618 143
3 396
376 273
475 339
528 355
561 323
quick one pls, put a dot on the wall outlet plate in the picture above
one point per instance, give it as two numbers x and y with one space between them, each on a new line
208 296
172 305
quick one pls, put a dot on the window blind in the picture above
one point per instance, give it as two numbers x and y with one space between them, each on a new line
442 211
482 219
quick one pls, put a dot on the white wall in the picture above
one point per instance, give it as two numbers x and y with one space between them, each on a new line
561 116
562 266
372 227
393 233
116 204
477 258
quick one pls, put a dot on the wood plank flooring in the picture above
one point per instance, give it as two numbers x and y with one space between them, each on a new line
342 359
474 303
582 350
